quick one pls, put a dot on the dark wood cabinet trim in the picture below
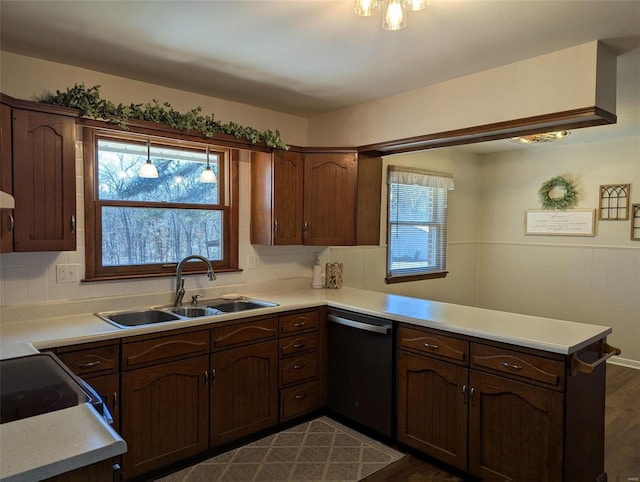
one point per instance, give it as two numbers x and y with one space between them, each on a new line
569 119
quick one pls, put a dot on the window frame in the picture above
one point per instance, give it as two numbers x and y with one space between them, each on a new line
439 272
228 203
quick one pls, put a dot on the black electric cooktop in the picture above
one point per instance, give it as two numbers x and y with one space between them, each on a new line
37 384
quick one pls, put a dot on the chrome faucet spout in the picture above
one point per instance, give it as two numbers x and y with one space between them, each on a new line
180 281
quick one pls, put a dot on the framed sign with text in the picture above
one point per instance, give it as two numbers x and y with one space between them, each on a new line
570 222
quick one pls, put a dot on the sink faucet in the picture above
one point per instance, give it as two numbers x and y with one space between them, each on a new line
180 280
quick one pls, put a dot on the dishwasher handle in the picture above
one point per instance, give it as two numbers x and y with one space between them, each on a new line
384 330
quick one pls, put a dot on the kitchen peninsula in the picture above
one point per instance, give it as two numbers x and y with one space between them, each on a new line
497 359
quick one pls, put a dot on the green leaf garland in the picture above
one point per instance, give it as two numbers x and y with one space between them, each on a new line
88 101
569 200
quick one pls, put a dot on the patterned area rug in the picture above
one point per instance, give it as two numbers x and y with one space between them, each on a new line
319 450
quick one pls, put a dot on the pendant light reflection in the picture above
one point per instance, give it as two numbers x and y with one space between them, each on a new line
148 170
208 176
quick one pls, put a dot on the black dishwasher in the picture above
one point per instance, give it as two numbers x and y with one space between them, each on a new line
361 369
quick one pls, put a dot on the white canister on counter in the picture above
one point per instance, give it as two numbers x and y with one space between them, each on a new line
316 282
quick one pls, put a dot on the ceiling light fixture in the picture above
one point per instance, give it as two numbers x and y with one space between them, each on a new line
148 170
540 138
394 14
208 176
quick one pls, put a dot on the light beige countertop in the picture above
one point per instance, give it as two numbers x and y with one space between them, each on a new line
26 451
556 336
53 443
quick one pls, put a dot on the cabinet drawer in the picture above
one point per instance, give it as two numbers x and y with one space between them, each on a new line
522 366
432 344
167 348
298 344
93 361
244 333
297 369
298 400
290 324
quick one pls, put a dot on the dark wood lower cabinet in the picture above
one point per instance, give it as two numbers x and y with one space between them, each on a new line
515 430
108 387
432 408
165 414
105 471
244 392
500 412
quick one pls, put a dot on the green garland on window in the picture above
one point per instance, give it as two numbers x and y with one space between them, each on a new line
90 104
569 199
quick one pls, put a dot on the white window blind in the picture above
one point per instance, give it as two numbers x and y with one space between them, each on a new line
417 228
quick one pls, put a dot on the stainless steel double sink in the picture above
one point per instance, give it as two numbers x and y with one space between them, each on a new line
149 316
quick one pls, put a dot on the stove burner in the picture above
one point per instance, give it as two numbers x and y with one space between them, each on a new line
37 384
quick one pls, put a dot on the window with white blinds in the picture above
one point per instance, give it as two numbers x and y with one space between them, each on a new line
417 224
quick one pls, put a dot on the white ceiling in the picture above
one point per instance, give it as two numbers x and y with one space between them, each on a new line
307 57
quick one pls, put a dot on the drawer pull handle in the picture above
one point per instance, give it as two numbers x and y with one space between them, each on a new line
299 345
433 347
12 223
299 324
301 396
299 366
511 365
90 364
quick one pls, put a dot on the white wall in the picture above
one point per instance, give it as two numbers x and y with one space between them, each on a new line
587 279
365 267
28 78
573 78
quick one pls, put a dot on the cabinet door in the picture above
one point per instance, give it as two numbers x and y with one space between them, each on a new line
108 387
44 182
164 414
329 199
288 172
432 408
244 391
6 183
515 430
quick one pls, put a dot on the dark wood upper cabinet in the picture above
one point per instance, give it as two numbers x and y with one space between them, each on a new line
44 181
276 198
328 198
6 184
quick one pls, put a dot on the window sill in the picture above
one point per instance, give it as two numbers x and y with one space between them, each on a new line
155 275
415 277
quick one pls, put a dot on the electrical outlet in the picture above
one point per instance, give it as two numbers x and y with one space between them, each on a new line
253 262
66 273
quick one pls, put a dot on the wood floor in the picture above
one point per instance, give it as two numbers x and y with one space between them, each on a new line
622 437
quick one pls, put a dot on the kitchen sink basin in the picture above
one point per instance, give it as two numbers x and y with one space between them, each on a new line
149 316
233 306
138 317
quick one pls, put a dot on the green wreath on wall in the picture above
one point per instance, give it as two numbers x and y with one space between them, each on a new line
567 201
